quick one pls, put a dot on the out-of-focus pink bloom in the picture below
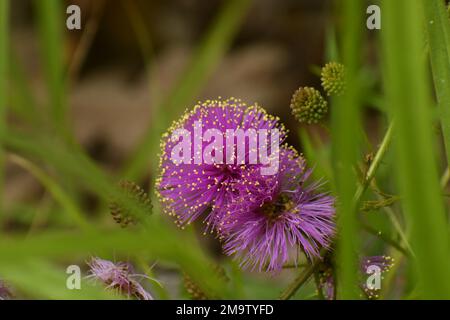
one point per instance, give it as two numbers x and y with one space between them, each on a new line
118 276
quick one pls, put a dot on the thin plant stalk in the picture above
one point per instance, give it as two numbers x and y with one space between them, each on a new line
345 150
373 167
298 282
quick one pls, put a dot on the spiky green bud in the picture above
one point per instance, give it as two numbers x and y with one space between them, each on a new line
136 194
333 78
308 105
194 290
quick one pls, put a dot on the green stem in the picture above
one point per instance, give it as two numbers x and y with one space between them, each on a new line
401 233
394 220
368 180
374 164
359 194
386 239
298 282
346 126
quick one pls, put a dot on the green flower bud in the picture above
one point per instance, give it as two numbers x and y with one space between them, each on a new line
308 105
333 78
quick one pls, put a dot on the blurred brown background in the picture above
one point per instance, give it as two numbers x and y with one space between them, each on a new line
113 90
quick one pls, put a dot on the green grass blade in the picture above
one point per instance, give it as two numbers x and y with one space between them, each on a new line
71 164
66 202
438 27
38 279
345 120
408 96
158 241
49 14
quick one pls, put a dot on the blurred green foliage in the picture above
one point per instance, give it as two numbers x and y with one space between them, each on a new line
413 229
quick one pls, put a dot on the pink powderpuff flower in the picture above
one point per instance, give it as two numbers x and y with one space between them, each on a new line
118 276
188 190
327 276
265 229
5 294
383 263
